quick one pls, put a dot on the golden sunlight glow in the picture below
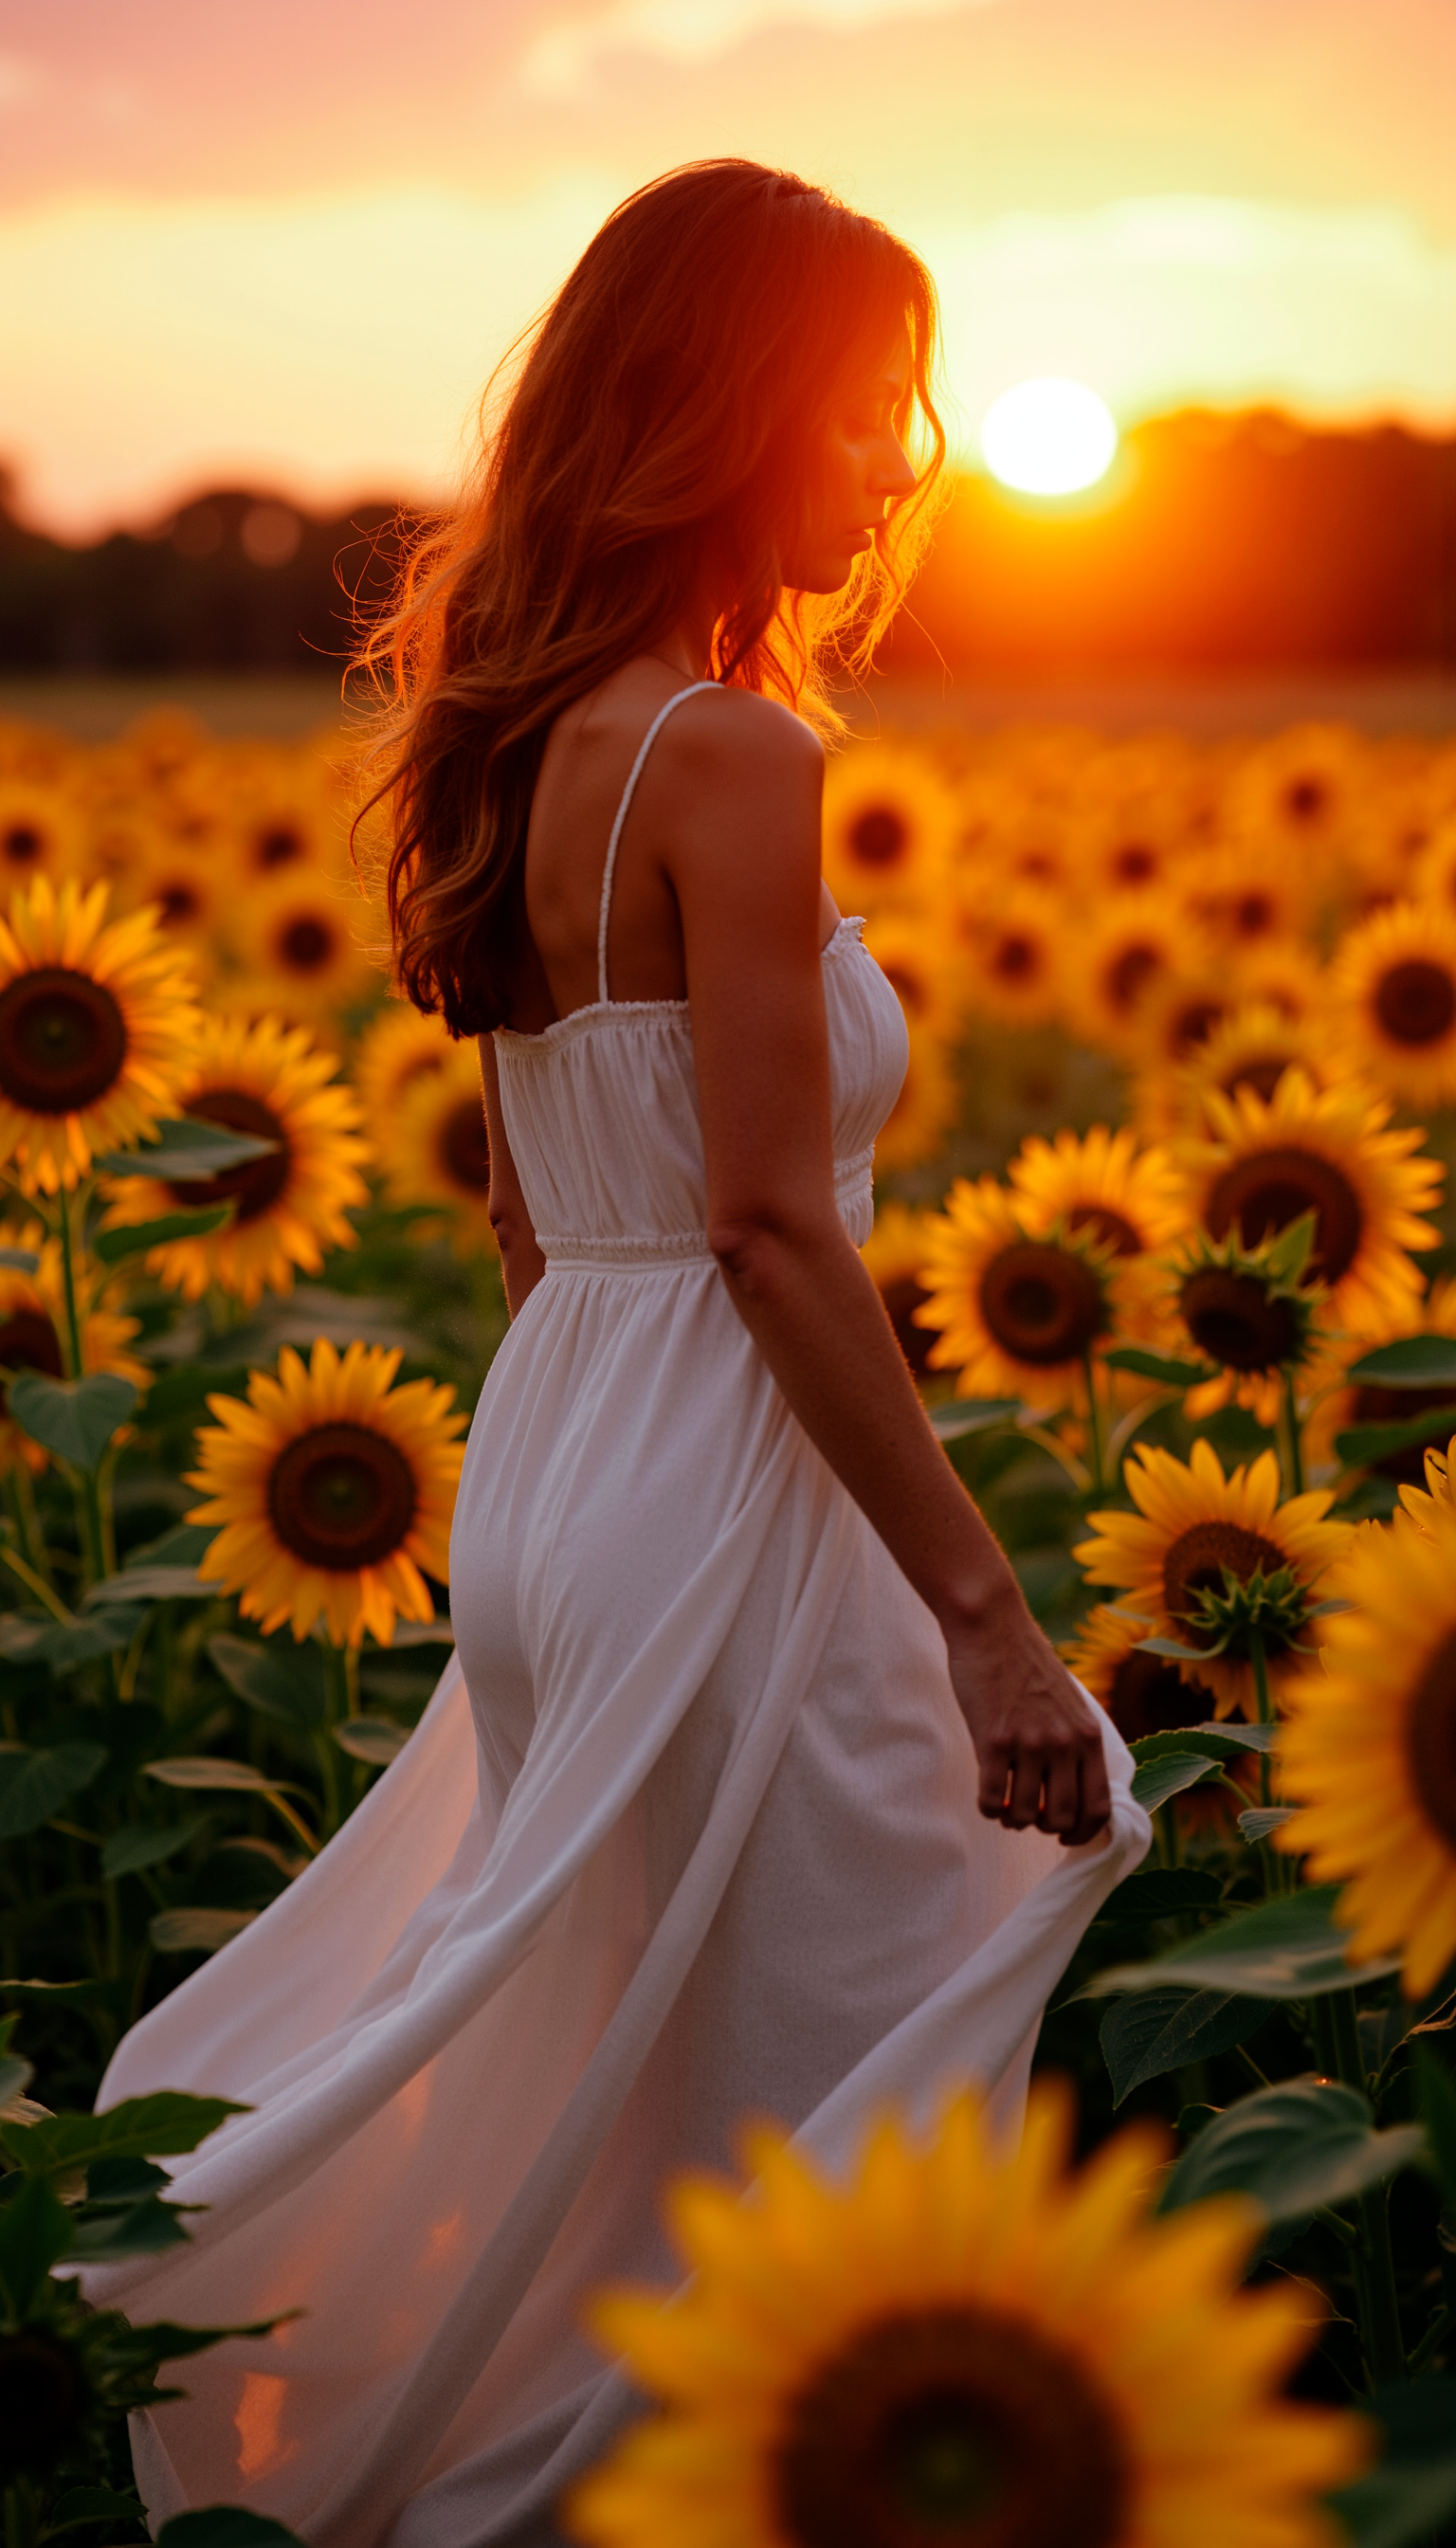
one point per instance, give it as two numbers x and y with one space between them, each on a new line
1049 437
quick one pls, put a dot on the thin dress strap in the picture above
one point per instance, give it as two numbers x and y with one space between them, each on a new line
609 870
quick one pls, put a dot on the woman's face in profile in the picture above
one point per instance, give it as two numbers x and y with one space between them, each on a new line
863 464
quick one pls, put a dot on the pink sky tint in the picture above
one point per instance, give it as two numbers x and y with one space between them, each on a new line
287 239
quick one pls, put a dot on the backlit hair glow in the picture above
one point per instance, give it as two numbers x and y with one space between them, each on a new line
667 407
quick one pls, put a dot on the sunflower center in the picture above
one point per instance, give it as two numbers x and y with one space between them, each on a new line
1416 1002
1149 1696
1191 1024
1109 1227
1128 977
1262 1073
1017 957
1134 862
951 2429
1431 1741
1198 1557
880 837
21 844
1042 1303
63 1040
306 945
341 1496
28 1343
1264 1192
42 2395
465 1149
1306 798
1253 914
1235 1322
178 903
908 987
278 844
255 1184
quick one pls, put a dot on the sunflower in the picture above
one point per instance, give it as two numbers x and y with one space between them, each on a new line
1246 900
1019 1312
191 898
96 1032
1192 1527
1138 945
31 1322
1300 793
1433 877
399 1043
1341 1404
1141 1694
1392 1013
330 1490
889 828
1132 844
928 1104
1012 956
433 1148
1127 1199
894 1254
299 944
962 2344
1250 1046
913 956
287 818
1439 1470
41 832
1329 1151
1253 1313
1368 1755
290 1205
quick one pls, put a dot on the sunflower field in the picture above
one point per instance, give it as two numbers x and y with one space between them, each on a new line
1161 1229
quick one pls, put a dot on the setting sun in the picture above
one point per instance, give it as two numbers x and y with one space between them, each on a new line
1049 437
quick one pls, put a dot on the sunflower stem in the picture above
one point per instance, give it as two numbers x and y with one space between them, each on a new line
1094 1426
88 1496
351 1681
20 1495
1380 2308
1294 1470
37 1583
1266 1712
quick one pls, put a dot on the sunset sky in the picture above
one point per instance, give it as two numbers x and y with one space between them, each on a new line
283 241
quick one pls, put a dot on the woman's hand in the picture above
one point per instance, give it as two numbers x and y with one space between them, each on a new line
1037 1740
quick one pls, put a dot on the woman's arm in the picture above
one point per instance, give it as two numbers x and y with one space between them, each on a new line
742 853
521 1259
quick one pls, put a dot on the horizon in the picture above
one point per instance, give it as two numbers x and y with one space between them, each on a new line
287 253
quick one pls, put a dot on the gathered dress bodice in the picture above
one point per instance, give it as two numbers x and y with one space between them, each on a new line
601 1110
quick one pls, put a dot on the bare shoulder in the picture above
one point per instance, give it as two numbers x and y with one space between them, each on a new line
734 741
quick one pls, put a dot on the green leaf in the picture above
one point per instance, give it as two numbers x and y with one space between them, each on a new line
1437 2093
1411 1362
153 1584
113 1247
141 1844
963 1415
35 2229
34 1637
1165 1368
371 1738
1154 2032
74 1419
1292 2147
1156 1780
278 1678
197 1932
160 2125
1363 1444
34 1783
1169 1651
1261 1820
144 2228
1162 1893
20 1260
84 2506
185 1152
202 1772
1412 2494
1286 1948
224 2526
1215 1742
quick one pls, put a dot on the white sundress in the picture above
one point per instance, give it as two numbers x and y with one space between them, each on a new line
688 1832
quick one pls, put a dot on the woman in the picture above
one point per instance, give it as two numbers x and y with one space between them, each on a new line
740 1655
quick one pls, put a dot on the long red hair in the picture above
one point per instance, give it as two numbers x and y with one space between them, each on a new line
673 393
